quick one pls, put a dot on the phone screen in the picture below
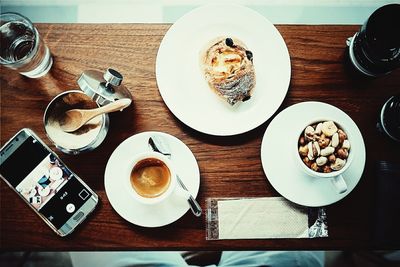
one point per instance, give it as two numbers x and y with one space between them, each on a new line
44 182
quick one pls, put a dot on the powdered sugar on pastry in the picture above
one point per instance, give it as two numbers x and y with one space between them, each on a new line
228 68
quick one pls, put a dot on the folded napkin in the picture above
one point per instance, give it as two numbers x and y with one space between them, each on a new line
257 218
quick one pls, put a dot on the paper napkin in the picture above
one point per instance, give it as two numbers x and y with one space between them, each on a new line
256 218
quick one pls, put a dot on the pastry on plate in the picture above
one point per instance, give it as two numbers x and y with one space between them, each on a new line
228 68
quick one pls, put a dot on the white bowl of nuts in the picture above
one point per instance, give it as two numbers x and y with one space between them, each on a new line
324 151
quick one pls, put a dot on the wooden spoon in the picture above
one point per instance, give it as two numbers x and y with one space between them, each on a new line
75 118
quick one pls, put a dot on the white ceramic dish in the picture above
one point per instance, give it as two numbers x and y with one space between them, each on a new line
181 81
281 166
138 213
56 173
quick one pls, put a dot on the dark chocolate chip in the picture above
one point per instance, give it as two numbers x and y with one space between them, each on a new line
246 98
229 42
249 55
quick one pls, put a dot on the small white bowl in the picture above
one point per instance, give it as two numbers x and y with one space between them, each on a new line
336 177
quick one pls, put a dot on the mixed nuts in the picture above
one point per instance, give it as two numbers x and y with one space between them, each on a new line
324 147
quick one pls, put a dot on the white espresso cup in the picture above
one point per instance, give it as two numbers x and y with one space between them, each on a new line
146 178
337 178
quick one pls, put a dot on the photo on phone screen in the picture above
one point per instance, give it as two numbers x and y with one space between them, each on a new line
46 183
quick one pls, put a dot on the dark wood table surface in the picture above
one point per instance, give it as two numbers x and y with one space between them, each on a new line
229 166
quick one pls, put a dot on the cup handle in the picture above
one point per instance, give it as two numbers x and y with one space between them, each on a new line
339 184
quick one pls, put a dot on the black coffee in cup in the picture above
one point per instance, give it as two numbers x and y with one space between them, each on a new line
375 49
150 177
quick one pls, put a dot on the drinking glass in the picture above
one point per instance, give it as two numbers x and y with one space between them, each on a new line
22 49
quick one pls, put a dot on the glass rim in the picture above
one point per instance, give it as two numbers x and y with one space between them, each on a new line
36 38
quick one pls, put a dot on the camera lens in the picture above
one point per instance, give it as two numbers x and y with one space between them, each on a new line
375 49
390 118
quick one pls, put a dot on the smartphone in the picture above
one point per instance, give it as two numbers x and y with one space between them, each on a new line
45 183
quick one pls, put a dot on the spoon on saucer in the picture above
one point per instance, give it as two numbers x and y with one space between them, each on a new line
157 145
74 119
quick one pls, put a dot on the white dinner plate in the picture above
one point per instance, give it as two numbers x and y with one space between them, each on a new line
56 173
280 165
181 81
155 215
44 191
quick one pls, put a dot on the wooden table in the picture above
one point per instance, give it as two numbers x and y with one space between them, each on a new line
229 166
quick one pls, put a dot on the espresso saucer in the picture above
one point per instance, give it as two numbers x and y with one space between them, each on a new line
162 213
280 165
